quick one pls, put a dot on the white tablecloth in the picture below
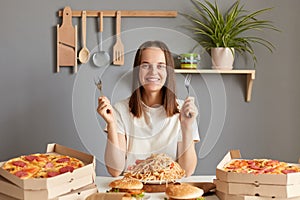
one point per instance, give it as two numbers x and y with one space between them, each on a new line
102 184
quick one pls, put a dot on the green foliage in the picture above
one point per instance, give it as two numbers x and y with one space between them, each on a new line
232 29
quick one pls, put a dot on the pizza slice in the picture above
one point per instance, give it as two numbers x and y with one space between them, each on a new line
21 168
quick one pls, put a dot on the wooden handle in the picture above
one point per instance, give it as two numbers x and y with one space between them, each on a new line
83 27
67 17
100 21
118 23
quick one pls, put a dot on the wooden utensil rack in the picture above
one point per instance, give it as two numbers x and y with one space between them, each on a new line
67 34
125 13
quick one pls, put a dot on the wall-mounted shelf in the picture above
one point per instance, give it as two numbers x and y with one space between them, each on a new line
248 72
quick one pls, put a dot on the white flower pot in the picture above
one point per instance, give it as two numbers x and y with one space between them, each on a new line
222 58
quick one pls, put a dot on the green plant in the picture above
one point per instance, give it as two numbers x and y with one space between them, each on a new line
232 29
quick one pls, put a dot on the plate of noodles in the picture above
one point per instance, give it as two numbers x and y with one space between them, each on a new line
156 169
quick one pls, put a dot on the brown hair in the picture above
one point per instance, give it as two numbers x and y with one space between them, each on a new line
168 90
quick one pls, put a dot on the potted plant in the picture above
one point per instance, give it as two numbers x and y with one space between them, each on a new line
224 34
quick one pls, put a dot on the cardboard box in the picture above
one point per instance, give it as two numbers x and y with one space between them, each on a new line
278 179
263 190
223 196
79 194
12 190
48 188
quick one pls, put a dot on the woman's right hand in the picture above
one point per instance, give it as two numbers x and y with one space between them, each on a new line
105 109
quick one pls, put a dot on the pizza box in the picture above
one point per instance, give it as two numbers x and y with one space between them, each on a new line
62 183
224 196
12 190
262 190
278 179
79 194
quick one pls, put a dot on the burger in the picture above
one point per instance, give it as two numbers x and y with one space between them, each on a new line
184 191
128 185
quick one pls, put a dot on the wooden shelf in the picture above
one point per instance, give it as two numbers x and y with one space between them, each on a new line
124 13
248 72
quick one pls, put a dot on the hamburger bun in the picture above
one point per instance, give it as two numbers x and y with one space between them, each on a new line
126 183
183 191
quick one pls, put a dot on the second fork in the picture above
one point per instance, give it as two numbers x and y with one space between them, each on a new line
187 82
98 83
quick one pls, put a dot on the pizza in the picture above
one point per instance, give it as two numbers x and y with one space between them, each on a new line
260 166
41 165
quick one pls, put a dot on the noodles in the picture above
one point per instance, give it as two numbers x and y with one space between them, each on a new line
157 167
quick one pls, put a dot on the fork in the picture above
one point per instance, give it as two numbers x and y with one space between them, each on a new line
98 83
187 82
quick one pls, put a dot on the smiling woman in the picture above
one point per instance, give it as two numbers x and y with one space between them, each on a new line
152 120
153 70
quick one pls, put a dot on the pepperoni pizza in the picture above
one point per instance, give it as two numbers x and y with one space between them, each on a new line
41 165
260 166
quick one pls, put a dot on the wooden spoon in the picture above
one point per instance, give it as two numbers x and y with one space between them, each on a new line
84 53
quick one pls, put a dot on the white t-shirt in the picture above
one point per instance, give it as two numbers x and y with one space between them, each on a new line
153 132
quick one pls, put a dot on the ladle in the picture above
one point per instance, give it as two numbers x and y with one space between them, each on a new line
101 58
84 53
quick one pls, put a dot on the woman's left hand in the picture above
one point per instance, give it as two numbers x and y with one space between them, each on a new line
188 112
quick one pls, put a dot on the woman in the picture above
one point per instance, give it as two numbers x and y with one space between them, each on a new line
152 120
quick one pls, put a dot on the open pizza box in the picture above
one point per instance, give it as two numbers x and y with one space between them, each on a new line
79 194
257 179
54 186
224 196
263 190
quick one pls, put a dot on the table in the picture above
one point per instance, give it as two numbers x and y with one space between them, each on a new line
103 181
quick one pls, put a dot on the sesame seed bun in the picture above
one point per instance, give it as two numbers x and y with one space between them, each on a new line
126 183
183 191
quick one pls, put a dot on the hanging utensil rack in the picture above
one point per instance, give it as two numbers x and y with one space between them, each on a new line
67 15
125 13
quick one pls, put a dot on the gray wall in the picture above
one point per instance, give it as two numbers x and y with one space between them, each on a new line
39 106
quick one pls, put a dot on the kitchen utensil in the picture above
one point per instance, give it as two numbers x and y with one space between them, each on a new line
84 53
187 82
118 49
66 42
98 83
101 58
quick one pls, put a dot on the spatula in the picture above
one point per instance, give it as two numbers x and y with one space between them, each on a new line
118 49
